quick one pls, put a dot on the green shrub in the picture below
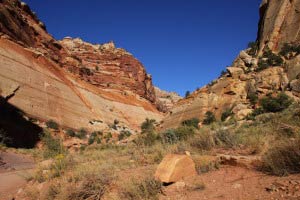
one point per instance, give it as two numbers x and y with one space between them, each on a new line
53 146
255 112
52 124
275 104
124 134
290 50
282 159
191 122
81 134
146 139
227 113
148 125
172 136
269 59
253 48
169 137
85 71
209 118
253 98
71 133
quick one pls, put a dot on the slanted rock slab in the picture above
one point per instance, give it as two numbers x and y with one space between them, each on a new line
174 168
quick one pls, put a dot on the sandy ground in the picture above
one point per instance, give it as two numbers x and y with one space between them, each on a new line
235 183
14 168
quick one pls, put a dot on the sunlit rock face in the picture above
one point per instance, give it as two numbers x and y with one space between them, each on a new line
279 24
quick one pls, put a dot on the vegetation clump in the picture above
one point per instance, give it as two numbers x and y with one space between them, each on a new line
191 122
269 59
253 48
52 124
209 118
282 159
53 146
227 113
290 50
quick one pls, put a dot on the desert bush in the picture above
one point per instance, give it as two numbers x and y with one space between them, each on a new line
146 139
85 71
253 98
169 137
282 159
124 134
290 50
70 133
148 125
191 122
209 118
275 104
227 113
92 187
146 189
224 138
269 59
255 112
92 138
253 47
204 141
262 65
53 146
81 134
52 124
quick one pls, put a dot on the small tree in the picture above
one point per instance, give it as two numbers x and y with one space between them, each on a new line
253 98
187 94
209 118
148 125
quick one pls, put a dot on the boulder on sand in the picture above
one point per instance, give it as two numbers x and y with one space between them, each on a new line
174 168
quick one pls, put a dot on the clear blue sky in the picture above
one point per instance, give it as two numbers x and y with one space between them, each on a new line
184 44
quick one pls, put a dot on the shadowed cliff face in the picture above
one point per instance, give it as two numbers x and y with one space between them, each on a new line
16 130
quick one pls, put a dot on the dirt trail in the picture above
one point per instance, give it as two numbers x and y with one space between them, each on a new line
14 168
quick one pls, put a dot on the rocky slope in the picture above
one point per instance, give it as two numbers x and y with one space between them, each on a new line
166 100
257 71
72 82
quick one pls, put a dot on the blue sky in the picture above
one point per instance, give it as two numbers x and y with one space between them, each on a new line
184 44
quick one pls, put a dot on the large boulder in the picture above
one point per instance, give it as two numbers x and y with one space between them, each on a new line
235 72
174 168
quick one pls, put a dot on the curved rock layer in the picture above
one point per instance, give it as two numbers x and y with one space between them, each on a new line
70 81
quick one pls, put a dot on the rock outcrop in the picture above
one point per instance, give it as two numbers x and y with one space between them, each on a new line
165 100
70 81
279 24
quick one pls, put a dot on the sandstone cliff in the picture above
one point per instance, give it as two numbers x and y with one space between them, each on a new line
72 82
279 23
251 73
